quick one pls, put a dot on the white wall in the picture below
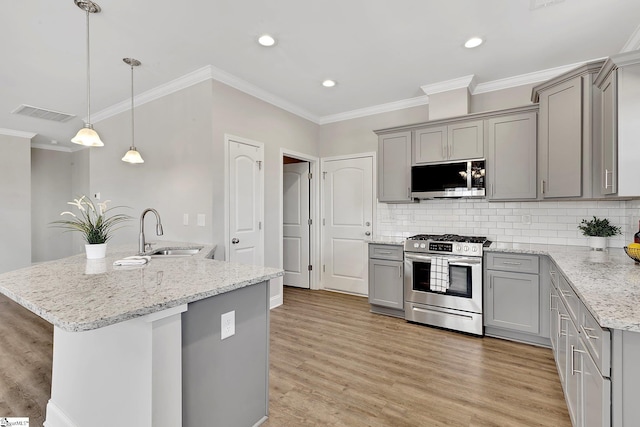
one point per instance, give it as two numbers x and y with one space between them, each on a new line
51 184
174 137
15 202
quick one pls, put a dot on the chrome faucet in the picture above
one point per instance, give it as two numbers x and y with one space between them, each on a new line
142 245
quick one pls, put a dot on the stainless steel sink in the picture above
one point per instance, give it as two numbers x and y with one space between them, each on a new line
174 252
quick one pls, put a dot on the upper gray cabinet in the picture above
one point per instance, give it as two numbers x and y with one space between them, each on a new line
511 156
569 122
461 140
619 83
394 167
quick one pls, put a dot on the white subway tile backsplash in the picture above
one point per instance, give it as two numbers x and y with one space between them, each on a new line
513 222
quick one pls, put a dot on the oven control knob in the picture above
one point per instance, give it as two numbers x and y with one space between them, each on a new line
466 248
474 249
458 248
416 245
423 245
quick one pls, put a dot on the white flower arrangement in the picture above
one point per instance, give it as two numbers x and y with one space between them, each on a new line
92 221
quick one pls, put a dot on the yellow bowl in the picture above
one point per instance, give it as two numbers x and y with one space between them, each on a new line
633 253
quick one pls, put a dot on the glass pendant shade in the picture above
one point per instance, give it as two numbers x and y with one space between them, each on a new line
87 137
132 156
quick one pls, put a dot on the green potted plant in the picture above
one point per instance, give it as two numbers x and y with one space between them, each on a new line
598 230
94 223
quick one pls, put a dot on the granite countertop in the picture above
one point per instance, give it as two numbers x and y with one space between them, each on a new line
607 282
383 240
77 294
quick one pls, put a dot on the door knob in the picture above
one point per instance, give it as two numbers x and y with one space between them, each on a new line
367 223
367 233
235 240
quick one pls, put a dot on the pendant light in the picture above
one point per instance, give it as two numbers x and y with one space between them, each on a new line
87 136
132 155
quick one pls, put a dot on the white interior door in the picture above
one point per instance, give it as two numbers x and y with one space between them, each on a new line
348 219
246 207
296 227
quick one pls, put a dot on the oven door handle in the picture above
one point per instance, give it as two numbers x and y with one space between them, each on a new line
463 262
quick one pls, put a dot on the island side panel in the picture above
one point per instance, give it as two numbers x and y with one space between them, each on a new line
226 382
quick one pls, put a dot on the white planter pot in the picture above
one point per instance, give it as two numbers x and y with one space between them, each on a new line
96 251
597 243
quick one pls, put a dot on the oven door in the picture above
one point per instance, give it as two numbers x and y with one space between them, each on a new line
464 290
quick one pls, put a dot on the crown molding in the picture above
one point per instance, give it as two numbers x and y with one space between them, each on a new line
18 133
634 41
461 82
175 85
376 109
205 73
52 147
246 87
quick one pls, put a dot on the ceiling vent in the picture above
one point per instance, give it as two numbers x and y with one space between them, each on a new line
537 4
41 113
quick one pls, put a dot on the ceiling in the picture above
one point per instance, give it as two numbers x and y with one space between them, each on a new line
379 51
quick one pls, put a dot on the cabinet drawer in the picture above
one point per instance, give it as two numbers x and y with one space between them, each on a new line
513 262
569 297
390 252
597 340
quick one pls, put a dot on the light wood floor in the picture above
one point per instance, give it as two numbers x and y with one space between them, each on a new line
335 364
26 350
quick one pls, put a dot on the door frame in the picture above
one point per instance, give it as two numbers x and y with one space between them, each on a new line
227 141
374 211
314 213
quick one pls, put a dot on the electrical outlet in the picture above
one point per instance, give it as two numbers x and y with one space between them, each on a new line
96 196
201 220
227 324
185 219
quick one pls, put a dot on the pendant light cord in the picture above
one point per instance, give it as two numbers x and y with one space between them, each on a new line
133 143
88 74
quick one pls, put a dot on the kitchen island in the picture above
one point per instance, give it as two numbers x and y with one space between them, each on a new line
142 345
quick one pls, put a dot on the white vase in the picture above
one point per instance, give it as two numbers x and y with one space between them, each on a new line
96 251
597 243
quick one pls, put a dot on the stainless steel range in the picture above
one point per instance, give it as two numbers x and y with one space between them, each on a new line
443 281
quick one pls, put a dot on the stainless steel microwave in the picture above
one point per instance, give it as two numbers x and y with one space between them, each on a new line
444 180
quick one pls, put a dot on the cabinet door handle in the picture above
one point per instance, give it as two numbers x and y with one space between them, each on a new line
573 351
607 172
566 294
561 317
400 271
444 152
586 334
408 193
385 252
542 186
492 189
551 297
511 263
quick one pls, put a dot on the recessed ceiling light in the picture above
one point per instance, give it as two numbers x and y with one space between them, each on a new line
473 42
329 83
266 40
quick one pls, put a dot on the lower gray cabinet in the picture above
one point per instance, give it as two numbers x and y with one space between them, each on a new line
386 276
583 365
513 301
516 298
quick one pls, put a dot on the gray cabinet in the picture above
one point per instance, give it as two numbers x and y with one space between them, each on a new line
516 299
619 84
511 157
582 351
455 141
386 278
569 111
394 167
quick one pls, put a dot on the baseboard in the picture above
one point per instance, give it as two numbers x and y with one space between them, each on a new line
56 418
275 301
